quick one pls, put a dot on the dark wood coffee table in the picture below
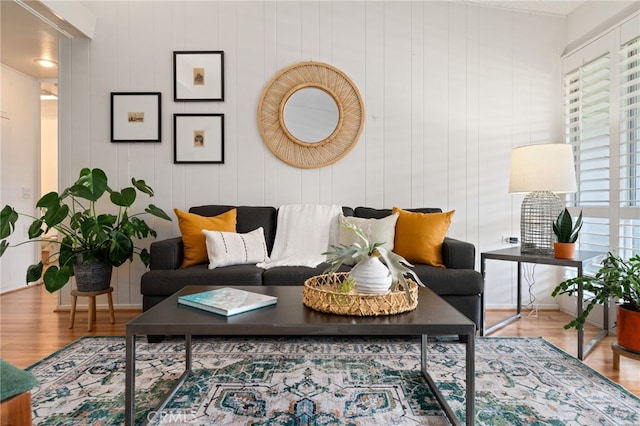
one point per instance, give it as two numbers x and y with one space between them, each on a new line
289 317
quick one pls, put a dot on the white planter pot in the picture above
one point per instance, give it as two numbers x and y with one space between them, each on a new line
371 276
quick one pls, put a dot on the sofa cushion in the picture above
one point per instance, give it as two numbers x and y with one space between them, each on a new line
165 282
191 226
419 236
231 248
348 211
369 212
292 275
248 218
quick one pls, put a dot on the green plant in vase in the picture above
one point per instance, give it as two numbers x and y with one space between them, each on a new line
87 235
564 228
366 251
347 286
567 234
617 279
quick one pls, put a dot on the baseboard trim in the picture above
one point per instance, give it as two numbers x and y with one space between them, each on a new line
550 307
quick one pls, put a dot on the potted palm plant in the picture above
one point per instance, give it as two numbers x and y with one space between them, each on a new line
618 279
567 234
369 273
90 242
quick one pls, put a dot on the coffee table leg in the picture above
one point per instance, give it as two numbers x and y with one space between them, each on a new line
424 354
470 385
188 352
471 379
155 416
130 380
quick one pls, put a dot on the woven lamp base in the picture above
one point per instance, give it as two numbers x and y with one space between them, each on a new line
321 293
539 210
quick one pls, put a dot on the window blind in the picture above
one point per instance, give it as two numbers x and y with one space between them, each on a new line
587 129
629 148
629 123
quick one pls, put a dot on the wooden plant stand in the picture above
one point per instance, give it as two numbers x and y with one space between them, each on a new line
621 351
92 305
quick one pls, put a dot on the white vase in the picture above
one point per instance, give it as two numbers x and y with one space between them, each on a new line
371 276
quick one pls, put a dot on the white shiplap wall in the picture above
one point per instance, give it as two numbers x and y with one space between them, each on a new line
449 89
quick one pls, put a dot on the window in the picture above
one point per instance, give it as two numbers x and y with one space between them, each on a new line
630 147
587 118
602 122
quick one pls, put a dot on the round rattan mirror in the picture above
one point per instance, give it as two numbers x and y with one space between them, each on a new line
310 115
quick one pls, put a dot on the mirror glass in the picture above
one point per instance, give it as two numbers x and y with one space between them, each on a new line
311 115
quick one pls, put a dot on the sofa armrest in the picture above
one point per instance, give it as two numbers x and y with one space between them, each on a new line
457 254
166 254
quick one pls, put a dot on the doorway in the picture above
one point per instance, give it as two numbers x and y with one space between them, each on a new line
48 153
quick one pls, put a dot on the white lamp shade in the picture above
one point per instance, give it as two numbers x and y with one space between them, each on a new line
543 167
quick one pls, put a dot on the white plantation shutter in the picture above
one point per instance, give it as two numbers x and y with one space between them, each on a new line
602 123
587 93
629 151
587 112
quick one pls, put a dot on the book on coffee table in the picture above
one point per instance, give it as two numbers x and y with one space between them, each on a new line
227 301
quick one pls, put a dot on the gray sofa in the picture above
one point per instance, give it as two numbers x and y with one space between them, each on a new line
459 284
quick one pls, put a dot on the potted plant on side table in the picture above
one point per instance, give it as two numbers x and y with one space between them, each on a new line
618 279
567 234
91 242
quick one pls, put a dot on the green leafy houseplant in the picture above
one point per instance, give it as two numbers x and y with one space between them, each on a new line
86 233
617 278
564 228
359 251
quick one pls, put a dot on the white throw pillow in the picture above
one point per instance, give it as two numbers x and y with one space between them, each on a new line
230 248
377 230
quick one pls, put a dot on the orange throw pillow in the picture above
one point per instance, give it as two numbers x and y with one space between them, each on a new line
191 226
419 236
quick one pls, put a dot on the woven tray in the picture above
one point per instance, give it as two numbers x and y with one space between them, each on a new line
321 293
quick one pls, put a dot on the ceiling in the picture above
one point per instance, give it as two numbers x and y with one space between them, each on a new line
25 36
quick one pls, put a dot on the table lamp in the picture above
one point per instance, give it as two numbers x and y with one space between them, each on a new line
541 171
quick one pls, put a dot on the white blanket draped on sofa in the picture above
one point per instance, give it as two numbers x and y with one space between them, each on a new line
304 232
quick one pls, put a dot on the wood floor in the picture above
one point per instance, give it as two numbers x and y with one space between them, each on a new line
30 329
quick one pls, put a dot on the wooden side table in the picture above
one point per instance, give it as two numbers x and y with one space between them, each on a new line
92 305
621 351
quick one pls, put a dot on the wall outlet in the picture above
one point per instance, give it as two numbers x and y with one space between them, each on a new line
26 193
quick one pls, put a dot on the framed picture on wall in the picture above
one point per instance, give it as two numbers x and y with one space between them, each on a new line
198 138
135 117
198 76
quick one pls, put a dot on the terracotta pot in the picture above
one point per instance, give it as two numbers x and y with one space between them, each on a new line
629 328
564 250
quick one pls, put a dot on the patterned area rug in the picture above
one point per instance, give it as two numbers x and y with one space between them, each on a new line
326 381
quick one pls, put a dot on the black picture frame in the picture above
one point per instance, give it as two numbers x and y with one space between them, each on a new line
136 117
198 76
198 138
